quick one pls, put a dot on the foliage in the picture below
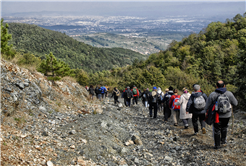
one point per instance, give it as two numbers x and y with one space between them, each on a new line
217 52
53 68
5 38
81 77
40 41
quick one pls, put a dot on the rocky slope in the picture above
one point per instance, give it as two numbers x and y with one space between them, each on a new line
45 124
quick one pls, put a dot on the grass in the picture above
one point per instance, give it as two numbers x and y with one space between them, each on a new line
58 103
5 144
94 112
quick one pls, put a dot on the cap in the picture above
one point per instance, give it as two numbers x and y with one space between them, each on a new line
154 87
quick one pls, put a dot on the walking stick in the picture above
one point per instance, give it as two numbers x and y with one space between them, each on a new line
232 120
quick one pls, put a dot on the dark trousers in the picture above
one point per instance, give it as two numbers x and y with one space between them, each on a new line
125 101
167 113
128 102
116 99
151 106
195 119
135 100
220 131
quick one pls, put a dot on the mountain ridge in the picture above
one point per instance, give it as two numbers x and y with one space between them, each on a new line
40 41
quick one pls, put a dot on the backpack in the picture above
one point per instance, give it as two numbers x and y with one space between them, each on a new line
168 96
91 91
128 94
174 106
134 90
154 97
117 92
199 102
222 105
100 90
160 96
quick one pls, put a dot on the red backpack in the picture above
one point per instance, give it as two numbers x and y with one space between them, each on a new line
176 99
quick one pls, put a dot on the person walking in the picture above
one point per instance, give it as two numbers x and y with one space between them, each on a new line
166 100
135 93
99 91
153 102
183 100
91 92
123 96
160 98
115 94
145 97
196 105
128 96
175 108
96 91
223 101
106 90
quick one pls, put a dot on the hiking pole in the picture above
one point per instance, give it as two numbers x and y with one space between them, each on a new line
232 120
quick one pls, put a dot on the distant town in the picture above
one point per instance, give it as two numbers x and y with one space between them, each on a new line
140 34
77 25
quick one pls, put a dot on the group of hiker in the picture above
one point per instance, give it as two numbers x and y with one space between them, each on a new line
214 110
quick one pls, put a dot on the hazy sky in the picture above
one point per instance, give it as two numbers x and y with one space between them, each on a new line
130 8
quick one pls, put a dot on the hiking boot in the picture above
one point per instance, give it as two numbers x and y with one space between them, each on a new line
186 127
217 147
195 133
203 130
175 124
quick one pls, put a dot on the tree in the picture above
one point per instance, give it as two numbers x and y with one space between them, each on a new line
5 37
53 68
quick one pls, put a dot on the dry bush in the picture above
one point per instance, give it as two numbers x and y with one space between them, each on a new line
67 78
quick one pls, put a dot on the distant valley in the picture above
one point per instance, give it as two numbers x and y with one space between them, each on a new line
136 42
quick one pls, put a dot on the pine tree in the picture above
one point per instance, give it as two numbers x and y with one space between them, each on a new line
53 68
5 37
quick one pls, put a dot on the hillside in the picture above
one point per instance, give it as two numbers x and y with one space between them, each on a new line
147 44
217 52
40 41
55 124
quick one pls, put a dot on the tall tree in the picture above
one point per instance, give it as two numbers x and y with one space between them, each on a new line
5 37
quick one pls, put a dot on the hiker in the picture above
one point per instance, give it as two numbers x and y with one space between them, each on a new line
160 98
115 94
123 96
183 100
163 104
128 96
99 91
86 87
153 102
140 95
103 91
135 93
223 101
166 100
145 97
106 91
91 92
175 108
196 105
96 91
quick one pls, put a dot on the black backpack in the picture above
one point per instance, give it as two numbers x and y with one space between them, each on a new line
128 94
167 97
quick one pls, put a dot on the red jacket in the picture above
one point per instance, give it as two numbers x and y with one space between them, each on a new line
137 95
171 100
